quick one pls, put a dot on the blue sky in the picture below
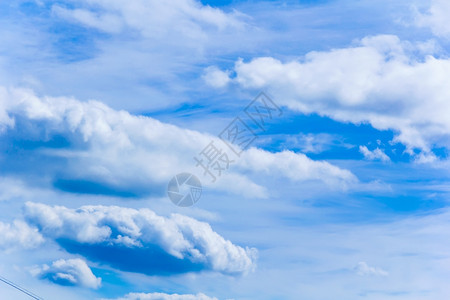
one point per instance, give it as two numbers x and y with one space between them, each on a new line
344 195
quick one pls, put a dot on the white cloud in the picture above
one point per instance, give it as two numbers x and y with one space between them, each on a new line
380 80
164 296
363 269
315 143
153 48
215 77
295 166
426 158
376 154
436 18
19 235
136 153
11 188
179 236
69 272
186 18
105 22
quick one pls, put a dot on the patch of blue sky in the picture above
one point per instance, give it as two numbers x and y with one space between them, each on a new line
113 285
73 42
287 131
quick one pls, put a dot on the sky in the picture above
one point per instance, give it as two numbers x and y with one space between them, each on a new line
319 132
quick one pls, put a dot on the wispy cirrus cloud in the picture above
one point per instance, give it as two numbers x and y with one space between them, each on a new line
181 18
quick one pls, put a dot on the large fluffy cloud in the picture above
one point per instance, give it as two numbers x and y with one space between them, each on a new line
89 147
389 83
73 272
140 240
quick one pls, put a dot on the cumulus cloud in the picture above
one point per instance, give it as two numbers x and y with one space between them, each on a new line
215 77
363 269
73 272
380 80
19 235
104 151
140 240
376 154
164 296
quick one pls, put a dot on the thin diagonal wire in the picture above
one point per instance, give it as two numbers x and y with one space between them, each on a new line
17 287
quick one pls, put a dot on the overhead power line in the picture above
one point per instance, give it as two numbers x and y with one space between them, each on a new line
17 287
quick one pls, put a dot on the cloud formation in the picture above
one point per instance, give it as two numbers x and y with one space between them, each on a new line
87 147
295 166
376 154
140 240
215 77
68 272
380 80
19 235
363 269
437 18
188 19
